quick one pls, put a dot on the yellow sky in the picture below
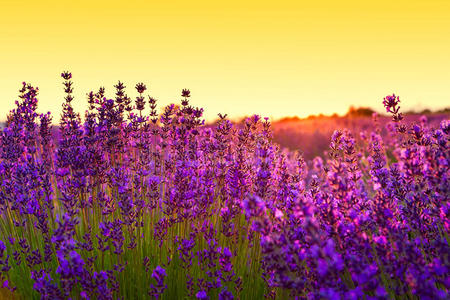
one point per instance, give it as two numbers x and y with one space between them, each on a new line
275 58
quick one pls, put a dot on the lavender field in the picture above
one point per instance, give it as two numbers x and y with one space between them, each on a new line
125 204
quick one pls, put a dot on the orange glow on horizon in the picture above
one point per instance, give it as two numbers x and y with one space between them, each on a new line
274 58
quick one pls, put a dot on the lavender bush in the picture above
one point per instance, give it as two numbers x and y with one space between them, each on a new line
127 204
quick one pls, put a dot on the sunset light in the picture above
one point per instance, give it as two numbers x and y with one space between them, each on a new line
275 58
222 150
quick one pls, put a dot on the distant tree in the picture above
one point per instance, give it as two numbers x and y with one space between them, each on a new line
444 111
425 112
360 112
